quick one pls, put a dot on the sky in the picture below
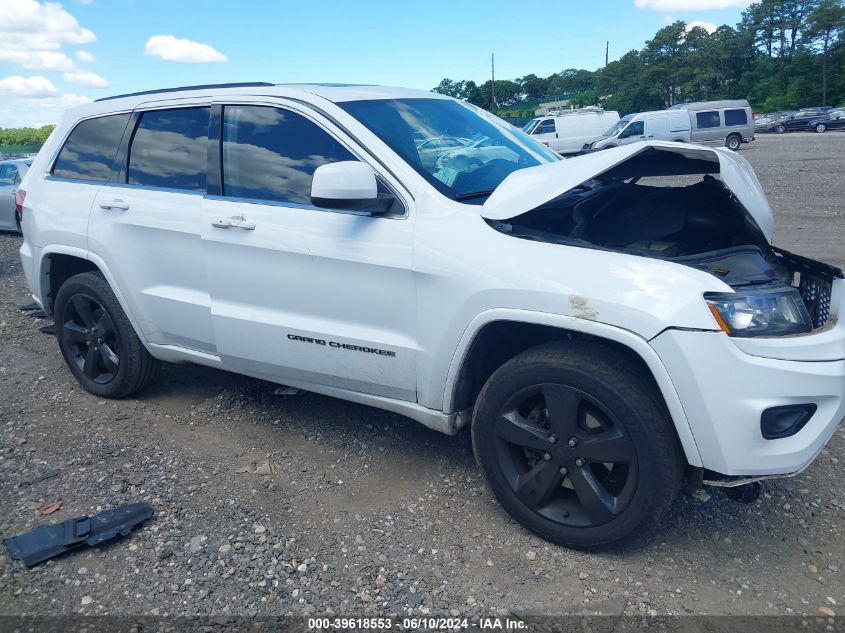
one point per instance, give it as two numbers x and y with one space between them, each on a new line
55 55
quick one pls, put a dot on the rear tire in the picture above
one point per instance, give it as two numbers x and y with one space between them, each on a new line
821 128
576 445
97 340
733 142
780 129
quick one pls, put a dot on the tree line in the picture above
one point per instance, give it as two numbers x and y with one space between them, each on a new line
24 135
783 54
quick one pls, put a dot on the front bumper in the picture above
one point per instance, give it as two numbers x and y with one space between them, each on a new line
724 391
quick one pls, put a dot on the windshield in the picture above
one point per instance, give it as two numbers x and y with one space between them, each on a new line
463 155
530 125
620 125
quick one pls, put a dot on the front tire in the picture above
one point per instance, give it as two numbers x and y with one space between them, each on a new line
821 128
733 142
780 129
97 340
576 446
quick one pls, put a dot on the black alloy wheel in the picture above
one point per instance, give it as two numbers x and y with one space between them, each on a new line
576 444
99 344
92 338
565 455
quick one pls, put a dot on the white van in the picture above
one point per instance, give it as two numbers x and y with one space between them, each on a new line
727 123
567 131
662 125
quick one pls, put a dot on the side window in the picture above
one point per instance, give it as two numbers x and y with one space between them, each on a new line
7 174
170 149
637 128
90 149
271 154
736 117
545 127
707 119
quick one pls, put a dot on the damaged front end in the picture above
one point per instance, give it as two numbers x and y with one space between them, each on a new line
717 221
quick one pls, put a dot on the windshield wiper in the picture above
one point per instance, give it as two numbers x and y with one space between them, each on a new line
473 194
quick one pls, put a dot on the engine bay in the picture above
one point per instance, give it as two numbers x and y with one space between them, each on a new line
701 225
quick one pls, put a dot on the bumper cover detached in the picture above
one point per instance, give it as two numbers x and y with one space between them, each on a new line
726 391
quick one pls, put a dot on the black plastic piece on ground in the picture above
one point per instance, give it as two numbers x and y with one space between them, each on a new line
47 541
29 307
48 329
48 475
744 494
38 314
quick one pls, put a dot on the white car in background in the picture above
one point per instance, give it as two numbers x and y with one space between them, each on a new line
11 174
604 337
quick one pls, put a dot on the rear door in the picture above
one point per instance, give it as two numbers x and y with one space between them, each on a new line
302 295
146 226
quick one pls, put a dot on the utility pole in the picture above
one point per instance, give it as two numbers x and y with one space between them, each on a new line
606 51
493 81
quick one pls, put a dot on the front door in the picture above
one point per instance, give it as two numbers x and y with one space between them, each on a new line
303 295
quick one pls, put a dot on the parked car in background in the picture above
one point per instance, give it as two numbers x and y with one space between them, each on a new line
567 131
660 125
825 123
11 174
795 122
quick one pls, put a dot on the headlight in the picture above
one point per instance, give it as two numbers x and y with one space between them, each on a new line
763 312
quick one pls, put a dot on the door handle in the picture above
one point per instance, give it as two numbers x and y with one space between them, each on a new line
234 222
114 205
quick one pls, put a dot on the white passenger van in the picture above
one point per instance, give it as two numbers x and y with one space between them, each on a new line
567 131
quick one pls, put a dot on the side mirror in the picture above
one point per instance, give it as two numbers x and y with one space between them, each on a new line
349 185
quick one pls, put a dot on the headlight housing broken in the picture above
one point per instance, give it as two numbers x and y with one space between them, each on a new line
777 311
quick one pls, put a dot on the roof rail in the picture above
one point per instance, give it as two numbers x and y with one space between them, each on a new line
249 84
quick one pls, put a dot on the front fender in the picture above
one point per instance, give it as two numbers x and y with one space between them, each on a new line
633 342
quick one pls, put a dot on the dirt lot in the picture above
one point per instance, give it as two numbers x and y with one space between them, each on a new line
356 511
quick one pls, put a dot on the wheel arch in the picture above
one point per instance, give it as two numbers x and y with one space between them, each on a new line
514 331
60 263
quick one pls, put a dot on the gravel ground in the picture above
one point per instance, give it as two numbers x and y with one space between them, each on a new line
303 504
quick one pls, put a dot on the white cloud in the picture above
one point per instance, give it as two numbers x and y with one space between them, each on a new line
38 60
27 25
85 78
174 49
85 56
31 87
707 26
691 5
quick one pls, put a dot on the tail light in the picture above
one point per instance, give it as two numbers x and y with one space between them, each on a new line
20 196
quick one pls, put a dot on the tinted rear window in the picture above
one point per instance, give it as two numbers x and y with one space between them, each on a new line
169 149
90 149
736 117
707 119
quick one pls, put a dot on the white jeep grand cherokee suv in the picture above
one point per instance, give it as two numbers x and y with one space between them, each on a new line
604 337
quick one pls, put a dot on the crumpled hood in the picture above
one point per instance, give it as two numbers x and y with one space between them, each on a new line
527 189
